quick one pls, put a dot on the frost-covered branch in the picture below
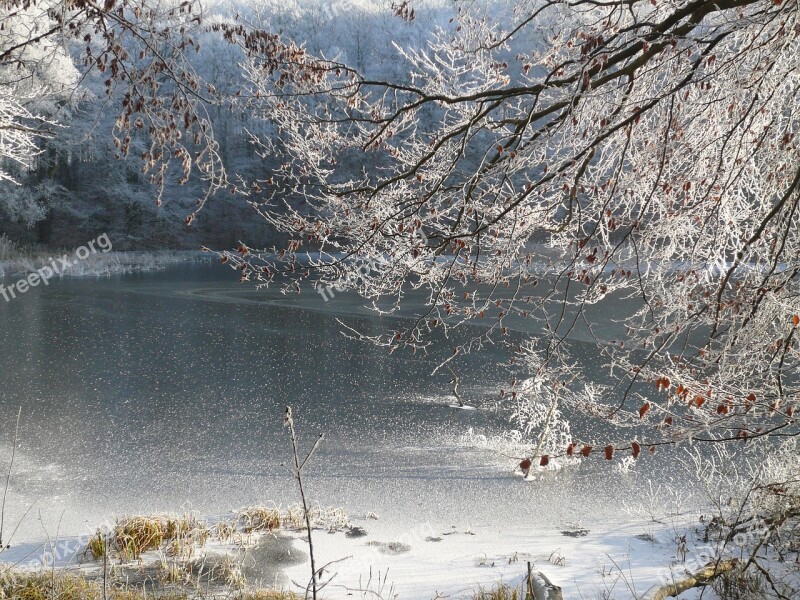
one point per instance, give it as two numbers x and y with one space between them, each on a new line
142 50
639 155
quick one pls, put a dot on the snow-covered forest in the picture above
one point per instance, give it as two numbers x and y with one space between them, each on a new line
59 187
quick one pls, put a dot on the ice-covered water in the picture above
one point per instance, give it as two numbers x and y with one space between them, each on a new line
165 391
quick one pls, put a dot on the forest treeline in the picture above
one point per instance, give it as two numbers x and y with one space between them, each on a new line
79 184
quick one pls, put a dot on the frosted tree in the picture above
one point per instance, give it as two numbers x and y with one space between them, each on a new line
18 132
638 154
32 73
37 79
141 50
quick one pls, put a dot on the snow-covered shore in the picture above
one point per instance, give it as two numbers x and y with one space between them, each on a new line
368 557
102 264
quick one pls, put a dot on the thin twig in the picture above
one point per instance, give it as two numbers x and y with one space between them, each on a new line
298 473
8 479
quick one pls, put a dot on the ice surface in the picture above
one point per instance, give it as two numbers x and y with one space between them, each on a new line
165 392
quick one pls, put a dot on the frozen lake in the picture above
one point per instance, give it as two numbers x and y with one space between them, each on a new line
165 392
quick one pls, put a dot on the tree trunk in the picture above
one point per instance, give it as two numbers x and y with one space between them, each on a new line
541 588
708 573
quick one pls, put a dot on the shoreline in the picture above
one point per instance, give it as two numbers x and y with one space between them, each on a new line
102 264
261 552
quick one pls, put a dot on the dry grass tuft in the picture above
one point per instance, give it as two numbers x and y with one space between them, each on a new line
176 562
270 518
60 585
500 592
225 531
133 536
269 595
180 536
259 518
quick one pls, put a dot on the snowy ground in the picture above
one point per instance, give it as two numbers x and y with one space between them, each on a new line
601 557
423 562
430 561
